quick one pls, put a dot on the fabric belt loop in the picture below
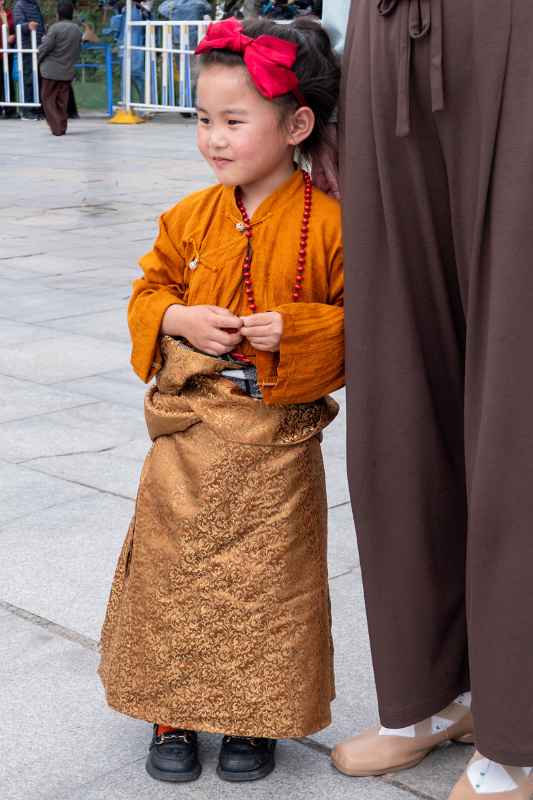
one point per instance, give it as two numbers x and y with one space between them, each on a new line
418 19
437 70
403 107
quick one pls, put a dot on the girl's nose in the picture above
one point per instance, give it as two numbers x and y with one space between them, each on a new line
218 138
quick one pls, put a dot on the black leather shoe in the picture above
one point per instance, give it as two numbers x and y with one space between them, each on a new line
245 758
174 756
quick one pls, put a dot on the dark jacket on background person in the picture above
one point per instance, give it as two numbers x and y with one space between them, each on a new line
29 11
60 51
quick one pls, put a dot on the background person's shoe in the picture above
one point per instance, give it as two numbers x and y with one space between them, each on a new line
173 756
245 758
486 780
373 754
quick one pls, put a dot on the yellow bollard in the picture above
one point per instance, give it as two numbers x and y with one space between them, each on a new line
124 116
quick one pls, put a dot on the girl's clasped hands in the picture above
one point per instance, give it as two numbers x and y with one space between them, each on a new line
215 330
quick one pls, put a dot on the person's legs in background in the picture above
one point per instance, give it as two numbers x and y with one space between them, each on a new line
55 103
29 112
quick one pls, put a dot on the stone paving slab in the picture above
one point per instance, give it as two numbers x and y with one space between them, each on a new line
54 303
113 419
43 436
135 450
22 399
301 774
110 326
342 543
64 358
93 279
12 333
24 493
103 471
336 480
21 441
61 560
111 387
57 733
45 265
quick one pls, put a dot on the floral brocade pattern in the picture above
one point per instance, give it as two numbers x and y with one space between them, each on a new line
218 618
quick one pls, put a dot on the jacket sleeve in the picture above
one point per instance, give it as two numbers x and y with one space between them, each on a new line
310 362
335 20
47 45
161 286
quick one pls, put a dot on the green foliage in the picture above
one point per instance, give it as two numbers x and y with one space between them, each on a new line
91 11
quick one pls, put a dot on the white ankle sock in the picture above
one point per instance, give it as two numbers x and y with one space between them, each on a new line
435 724
489 777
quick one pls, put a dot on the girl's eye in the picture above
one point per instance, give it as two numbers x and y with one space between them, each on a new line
234 121
203 120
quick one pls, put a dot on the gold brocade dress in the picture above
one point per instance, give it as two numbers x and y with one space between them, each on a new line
219 617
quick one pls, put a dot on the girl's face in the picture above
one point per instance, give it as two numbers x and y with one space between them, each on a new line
240 133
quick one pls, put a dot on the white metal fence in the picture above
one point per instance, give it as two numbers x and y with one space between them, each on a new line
162 64
15 60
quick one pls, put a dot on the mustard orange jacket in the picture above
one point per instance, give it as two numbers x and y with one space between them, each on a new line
197 259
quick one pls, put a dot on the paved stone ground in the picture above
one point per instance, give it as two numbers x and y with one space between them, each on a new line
75 214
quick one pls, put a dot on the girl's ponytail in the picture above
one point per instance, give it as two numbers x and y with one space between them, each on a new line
318 71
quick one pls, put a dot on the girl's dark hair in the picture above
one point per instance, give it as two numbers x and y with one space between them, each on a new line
316 68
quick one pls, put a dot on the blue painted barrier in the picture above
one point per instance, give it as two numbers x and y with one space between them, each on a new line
107 66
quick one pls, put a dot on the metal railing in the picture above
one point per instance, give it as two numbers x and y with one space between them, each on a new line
13 56
168 52
166 65
21 55
107 66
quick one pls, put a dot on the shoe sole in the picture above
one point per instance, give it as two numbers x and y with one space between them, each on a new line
468 738
161 775
244 777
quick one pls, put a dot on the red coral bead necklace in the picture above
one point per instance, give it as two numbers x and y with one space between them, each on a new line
302 253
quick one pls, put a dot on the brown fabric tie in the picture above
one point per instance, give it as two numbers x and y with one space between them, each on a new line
419 17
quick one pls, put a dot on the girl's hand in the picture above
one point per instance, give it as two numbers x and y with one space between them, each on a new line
263 331
211 329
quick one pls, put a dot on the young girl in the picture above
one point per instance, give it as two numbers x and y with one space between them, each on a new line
219 617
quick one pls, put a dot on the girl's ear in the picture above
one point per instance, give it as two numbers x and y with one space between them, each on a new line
300 125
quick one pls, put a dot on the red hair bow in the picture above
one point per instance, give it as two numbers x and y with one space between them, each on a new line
269 60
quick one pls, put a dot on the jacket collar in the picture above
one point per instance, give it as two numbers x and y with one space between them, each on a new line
273 204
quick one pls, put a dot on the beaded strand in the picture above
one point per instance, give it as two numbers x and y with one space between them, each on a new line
302 253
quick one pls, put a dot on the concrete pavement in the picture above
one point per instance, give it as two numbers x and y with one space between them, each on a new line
75 214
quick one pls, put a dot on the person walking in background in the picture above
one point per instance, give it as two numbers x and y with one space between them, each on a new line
58 54
28 14
436 180
6 19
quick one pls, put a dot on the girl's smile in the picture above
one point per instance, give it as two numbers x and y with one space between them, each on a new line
220 163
